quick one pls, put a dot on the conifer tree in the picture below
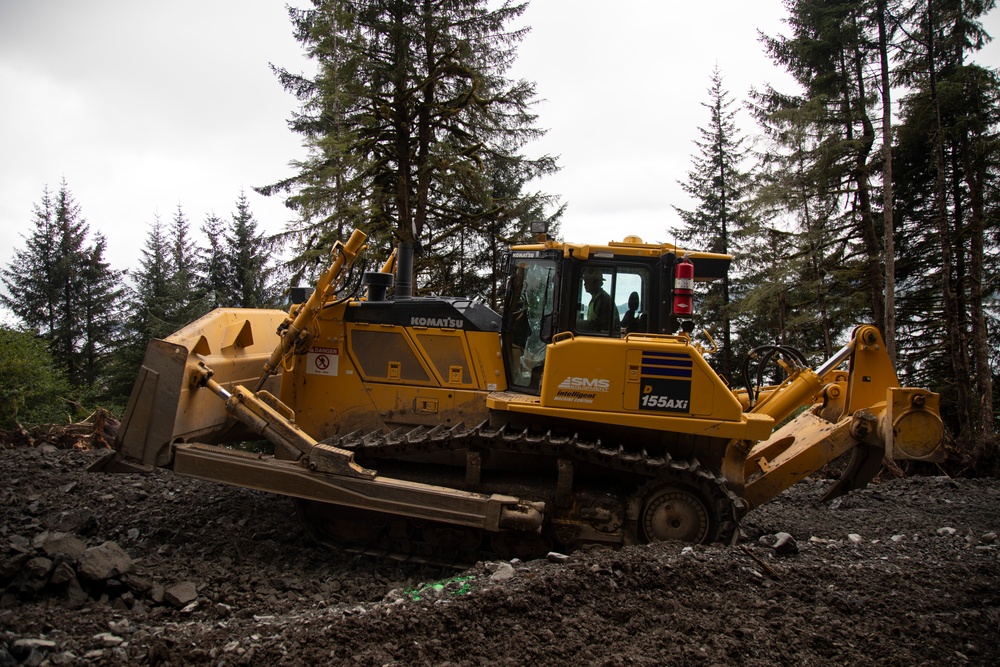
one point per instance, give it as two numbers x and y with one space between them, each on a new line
31 277
151 298
830 54
823 168
719 185
61 286
212 264
950 158
799 201
100 298
247 262
410 111
187 301
167 291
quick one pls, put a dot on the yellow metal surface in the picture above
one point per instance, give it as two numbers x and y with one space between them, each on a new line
795 451
644 381
167 407
863 408
750 426
428 406
800 389
302 316
911 425
383 494
381 376
631 247
627 375
869 371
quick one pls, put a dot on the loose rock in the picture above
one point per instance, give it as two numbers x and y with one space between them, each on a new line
784 543
182 594
504 572
103 562
283 599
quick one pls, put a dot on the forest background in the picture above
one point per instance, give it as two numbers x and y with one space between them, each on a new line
867 191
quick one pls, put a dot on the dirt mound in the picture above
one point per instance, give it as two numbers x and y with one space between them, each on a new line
902 573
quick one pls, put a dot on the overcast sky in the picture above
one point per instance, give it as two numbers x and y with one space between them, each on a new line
144 105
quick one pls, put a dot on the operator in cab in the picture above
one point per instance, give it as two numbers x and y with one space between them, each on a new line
602 315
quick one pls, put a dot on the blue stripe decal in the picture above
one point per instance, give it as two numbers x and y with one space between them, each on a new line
668 364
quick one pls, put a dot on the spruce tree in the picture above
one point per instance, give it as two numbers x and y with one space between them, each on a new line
60 285
31 279
152 306
940 225
949 157
719 185
212 265
799 201
409 112
247 261
187 301
100 299
831 55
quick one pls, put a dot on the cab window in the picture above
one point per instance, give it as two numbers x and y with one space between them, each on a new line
531 325
612 300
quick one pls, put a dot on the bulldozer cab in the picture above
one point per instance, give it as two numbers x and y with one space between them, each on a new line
602 291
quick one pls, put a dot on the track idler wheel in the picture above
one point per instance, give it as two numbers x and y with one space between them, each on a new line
674 512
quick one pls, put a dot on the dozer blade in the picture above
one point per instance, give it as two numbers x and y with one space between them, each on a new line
165 407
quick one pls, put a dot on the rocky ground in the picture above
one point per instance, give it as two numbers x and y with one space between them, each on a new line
163 570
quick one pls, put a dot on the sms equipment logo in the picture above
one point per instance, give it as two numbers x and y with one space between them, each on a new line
587 384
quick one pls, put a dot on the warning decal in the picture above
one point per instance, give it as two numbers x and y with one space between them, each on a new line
321 361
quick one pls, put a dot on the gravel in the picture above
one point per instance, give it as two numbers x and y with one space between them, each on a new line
163 570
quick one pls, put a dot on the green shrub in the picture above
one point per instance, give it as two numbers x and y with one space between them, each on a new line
32 389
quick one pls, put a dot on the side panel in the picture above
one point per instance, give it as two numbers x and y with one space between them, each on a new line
324 386
656 376
400 406
378 376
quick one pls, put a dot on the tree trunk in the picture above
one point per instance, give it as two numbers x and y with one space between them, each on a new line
987 443
887 194
951 317
866 224
727 336
408 232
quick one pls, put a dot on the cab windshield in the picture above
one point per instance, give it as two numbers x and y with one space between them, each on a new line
530 321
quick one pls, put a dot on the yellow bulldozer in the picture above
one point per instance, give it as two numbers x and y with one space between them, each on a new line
433 429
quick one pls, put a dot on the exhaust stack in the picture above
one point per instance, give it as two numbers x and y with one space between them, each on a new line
404 271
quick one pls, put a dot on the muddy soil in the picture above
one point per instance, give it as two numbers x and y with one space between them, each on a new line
162 570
